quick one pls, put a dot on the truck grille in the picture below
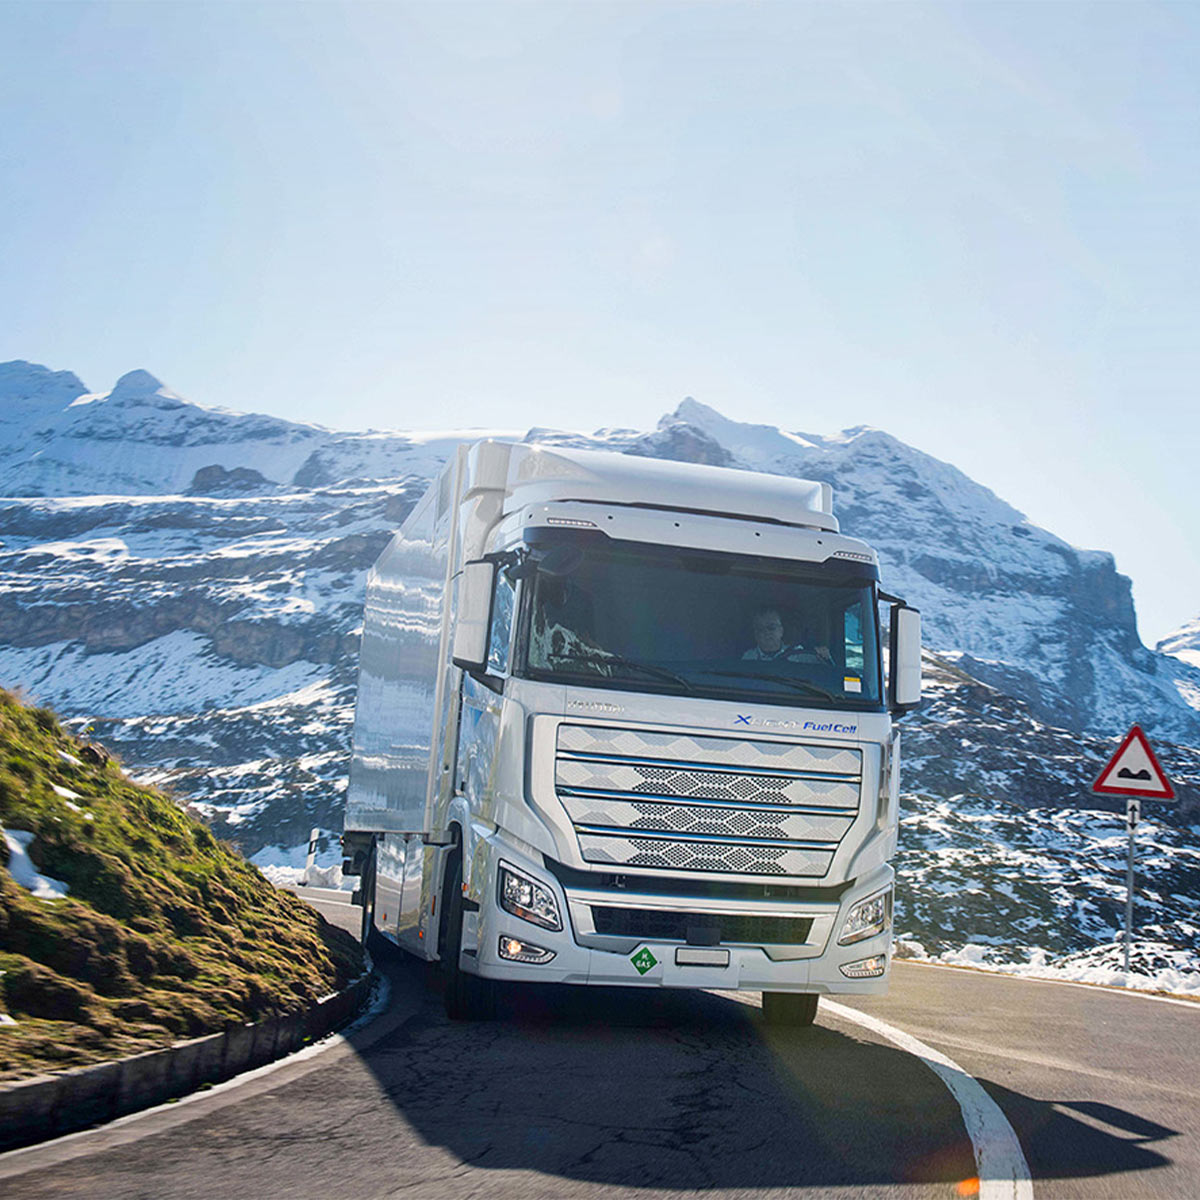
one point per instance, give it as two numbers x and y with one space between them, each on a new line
653 924
693 803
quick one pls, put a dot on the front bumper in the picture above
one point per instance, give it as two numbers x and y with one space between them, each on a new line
583 956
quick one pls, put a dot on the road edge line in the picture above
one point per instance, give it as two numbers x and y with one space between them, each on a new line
68 1146
999 1159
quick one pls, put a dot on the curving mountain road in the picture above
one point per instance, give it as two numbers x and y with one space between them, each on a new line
611 1094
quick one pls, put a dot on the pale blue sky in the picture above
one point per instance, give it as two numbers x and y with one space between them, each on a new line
975 226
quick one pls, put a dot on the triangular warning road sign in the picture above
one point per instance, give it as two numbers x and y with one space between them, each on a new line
1134 771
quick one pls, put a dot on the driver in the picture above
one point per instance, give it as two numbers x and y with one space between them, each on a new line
769 645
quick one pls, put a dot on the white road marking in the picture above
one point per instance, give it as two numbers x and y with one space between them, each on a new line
999 1159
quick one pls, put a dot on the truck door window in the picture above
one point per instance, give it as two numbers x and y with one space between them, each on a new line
852 624
500 632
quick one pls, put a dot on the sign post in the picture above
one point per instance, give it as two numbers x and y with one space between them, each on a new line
1133 772
311 860
1133 814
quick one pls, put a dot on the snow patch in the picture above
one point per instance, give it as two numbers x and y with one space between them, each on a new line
284 866
21 868
176 673
323 877
1163 968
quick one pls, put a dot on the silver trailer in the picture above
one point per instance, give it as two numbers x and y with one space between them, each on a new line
624 721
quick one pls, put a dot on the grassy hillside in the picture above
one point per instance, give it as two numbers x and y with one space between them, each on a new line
166 933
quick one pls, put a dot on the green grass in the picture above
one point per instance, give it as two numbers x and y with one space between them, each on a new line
167 933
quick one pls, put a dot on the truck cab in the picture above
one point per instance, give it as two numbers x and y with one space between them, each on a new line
623 721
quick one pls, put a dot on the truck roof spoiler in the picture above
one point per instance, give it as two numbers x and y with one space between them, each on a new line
536 474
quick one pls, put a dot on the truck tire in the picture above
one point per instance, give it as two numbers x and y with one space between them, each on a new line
789 1008
367 892
467 997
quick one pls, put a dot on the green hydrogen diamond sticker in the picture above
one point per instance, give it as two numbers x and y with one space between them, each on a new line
643 960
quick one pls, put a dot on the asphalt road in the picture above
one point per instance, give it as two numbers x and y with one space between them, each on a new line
605 1093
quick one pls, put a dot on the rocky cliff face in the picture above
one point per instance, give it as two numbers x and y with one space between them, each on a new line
1003 846
189 582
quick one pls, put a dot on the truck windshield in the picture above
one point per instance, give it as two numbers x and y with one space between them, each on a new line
637 617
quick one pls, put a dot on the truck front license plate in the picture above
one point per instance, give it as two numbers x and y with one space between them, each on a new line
698 956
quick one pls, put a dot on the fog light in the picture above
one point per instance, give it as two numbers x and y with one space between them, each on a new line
866 968
516 950
867 918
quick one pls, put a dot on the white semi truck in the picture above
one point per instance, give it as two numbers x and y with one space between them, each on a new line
624 721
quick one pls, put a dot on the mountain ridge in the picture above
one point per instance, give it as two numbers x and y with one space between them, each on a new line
1018 606
205 623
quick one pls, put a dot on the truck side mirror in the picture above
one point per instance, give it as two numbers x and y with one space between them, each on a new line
904 668
474 615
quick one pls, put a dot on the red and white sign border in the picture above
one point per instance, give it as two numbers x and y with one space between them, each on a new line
1166 792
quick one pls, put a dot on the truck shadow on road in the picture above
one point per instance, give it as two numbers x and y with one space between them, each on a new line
1068 1139
690 1090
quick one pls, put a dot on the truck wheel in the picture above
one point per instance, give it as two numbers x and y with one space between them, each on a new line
367 891
789 1008
467 997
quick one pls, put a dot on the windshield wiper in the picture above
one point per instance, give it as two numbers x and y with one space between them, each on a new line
800 684
617 660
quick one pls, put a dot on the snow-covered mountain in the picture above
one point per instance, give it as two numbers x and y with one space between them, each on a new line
1018 607
1003 846
1184 643
59 439
189 581
1010 602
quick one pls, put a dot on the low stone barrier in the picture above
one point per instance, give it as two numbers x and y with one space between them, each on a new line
32 1110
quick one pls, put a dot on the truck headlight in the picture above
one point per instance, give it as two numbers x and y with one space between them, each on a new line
867 918
527 899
